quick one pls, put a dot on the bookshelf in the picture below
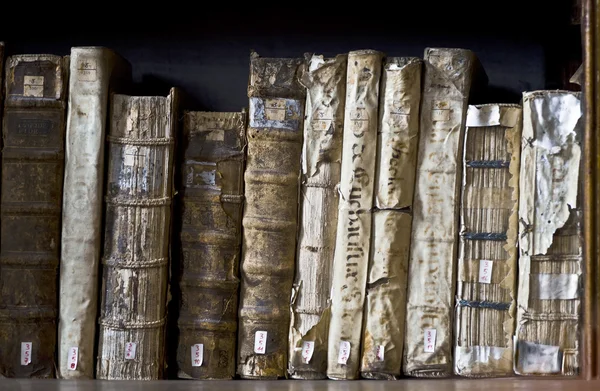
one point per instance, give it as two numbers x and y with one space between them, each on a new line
521 46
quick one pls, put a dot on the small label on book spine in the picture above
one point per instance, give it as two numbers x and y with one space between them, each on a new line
26 348
485 271
130 350
379 353
73 354
260 342
33 86
275 109
308 348
86 69
197 354
429 346
344 353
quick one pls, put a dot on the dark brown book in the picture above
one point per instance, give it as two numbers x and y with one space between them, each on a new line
32 179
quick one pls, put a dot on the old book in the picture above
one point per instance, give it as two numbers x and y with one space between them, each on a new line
206 279
94 73
32 180
448 76
398 138
325 81
270 216
550 244
487 260
353 237
139 190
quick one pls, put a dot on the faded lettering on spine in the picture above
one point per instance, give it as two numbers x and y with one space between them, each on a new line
137 232
33 135
550 243
398 136
487 261
207 275
430 296
357 184
325 82
270 218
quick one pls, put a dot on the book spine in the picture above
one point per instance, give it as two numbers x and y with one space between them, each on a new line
434 241
207 279
32 181
550 261
487 261
270 216
325 81
137 232
353 237
398 137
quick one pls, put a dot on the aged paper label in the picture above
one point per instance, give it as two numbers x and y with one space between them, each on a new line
130 348
429 340
260 342
308 348
197 354
380 352
485 271
344 352
73 354
87 69
33 86
26 353
275 109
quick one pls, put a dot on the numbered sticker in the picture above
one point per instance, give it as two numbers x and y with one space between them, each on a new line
429 340
130 350
73 354
379 353
308 348
197 354
26 348
344 353
260 342
33 86
485 271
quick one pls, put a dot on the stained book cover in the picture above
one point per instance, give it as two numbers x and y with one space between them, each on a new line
447 82
398 138
32 180
547 340
94 73
206 277
271 181
353 237
136 241
487 260
325 82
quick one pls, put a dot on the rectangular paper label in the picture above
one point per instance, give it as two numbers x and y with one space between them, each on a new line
275 109
485 271
86 69
197 354
26 353
73 353
308 348
429 346
33 86
130 350
344 352
380 353
260 342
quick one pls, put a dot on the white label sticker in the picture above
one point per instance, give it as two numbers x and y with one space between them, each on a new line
33 86
260 342
26 353
73 353
379 353
197 354
344 352
308 348
485 271
130 350
429 346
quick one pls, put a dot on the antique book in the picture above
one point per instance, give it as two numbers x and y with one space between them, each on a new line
325 82
398 138
135 262
33 134
270 218
487 250
448 76
94 73
206 277
547 339
353 237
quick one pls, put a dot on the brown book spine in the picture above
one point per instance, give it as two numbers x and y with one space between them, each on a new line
32 180
207 277
137 231
270 216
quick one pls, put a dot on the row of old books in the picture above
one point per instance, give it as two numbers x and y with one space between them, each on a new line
360 219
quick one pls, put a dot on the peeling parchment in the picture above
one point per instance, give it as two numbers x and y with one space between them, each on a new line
385 307
485 309
549 233
357 186
433 254
325 82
